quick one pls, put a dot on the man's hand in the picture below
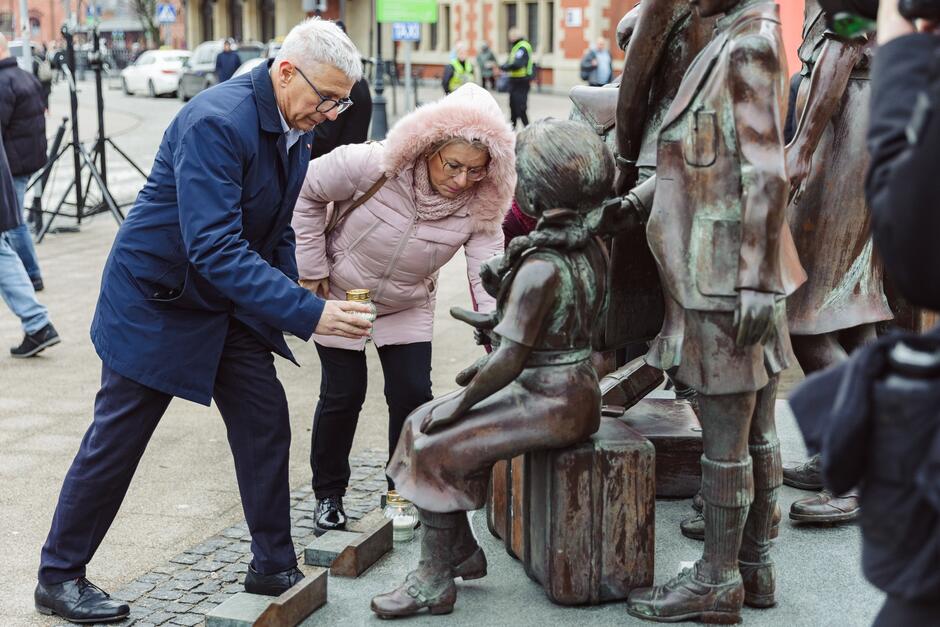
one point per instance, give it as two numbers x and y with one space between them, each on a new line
754 317
891 24
338 319
319 287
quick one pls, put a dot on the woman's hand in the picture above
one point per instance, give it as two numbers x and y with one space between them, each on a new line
339 318
754 317
319 287
444 414
798 167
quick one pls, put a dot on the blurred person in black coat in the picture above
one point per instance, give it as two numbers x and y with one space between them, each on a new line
350 128
876 418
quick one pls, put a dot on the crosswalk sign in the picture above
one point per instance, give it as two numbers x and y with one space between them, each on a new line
166 13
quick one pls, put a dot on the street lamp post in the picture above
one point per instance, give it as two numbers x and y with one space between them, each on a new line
379 115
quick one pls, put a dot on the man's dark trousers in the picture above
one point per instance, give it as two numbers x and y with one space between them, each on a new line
254 408
519 100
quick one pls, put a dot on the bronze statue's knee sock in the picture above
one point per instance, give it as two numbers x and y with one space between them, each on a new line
768 477
728 489
437 544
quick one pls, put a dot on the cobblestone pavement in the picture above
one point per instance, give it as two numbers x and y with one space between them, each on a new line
186 588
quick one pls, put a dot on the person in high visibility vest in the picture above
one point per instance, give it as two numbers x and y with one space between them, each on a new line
520 67
458 71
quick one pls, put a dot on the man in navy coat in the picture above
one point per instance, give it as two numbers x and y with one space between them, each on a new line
200 286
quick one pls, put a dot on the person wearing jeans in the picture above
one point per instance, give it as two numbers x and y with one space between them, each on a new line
402 209
20 239
15 287
23 117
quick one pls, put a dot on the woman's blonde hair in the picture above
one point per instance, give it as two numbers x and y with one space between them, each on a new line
444 143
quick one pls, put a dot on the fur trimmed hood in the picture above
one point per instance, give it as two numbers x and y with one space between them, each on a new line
469 113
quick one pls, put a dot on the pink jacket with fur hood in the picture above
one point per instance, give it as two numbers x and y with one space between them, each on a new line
382 245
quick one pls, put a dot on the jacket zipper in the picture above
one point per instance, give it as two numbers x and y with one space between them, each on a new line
398 251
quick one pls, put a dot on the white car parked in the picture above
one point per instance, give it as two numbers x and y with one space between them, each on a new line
155 72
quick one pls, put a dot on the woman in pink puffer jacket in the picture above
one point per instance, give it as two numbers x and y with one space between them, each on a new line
450 176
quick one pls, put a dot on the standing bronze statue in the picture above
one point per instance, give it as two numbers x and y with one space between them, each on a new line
836 310
724 252
537 389
660 39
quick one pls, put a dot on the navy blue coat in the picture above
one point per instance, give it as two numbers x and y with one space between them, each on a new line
9 206
209 239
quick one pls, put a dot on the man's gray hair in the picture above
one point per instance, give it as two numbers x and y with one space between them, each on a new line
320 41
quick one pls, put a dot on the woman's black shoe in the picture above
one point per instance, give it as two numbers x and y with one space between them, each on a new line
79 601
272 585
329 515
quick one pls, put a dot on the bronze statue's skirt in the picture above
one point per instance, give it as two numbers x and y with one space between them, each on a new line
449 469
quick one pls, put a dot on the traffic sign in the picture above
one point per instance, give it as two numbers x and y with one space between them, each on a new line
166 13
406 31
423 11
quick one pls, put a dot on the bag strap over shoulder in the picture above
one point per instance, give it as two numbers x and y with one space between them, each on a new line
337 218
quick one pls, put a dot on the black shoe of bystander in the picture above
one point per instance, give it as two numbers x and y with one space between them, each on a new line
35 343
329 515
271 585
79 601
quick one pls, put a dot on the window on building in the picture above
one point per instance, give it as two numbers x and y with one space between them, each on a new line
511 16
532 23
435 29
207 25
550 35
6 22
446 27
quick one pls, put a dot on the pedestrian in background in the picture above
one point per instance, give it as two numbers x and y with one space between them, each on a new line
15 286
459 71
596 65
520 68
23 117
486 61
441 182
350 128
196 295
226 62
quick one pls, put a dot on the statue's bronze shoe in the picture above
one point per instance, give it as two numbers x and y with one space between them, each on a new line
825 507
805 476
414 595
760 582
687 598
693 527
474 567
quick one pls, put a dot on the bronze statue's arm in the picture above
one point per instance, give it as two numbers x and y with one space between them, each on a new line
754 75
626 26
827 85
642 58
526 315
623 214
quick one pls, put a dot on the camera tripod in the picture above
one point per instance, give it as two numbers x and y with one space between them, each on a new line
93 165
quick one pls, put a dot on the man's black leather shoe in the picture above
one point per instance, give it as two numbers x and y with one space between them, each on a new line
329 515
272 585
79 601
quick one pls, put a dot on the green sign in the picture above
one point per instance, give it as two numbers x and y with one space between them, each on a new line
424 11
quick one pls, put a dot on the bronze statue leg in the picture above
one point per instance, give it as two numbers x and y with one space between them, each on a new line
727 481
432 584
856 337
757 570
818 352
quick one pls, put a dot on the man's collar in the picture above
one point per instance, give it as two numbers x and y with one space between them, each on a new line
268 110
284 124
8 62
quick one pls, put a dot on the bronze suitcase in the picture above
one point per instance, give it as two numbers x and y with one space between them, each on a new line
504 505
590 513
676 433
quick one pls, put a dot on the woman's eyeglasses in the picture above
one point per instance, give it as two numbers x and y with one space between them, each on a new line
453 170
326 104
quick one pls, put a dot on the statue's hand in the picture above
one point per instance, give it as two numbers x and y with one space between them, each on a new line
442 415
798 167
754 317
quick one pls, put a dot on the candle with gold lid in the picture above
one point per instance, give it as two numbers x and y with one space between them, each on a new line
362 296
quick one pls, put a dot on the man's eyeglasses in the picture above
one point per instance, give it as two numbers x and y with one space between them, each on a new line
453 170
326 104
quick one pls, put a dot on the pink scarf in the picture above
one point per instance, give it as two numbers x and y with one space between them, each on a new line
429 204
